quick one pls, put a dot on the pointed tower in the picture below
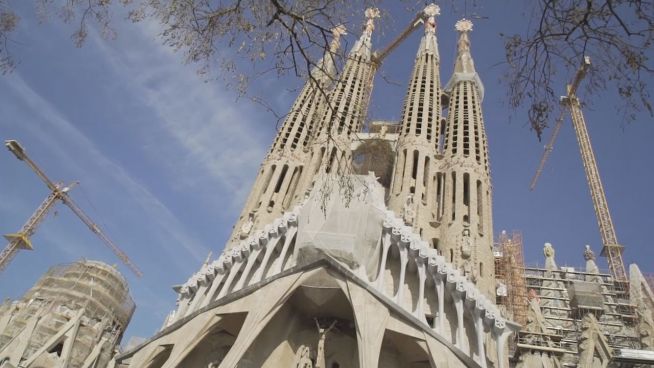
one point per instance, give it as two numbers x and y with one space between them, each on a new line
334 284
276 186
348 105
466 230
413 191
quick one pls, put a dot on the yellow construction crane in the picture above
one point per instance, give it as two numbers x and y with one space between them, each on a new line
21 240
611 249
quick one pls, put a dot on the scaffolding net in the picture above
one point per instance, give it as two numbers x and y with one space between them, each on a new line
510 274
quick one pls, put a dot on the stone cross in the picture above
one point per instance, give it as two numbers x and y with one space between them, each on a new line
322 335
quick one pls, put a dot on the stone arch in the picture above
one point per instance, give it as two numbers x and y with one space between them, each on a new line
159 356
411 285
294 327
392 271
403 351
215 343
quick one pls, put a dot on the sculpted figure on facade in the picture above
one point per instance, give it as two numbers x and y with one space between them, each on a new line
409 210
322 335
465 246
303 358
548 251
382 132
247 226
589 256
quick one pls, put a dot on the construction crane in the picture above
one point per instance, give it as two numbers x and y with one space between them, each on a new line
21 240
549 147
380 55
611 249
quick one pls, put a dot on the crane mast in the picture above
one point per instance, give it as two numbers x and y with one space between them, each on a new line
611 249
21 240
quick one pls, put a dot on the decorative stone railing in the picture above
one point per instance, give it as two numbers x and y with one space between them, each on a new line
462 315
262 255
452 290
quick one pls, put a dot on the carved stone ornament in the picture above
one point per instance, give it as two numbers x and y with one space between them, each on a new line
409 209
303 358
463 25
247 226
589 255
432 10
548 250
466 244
382 131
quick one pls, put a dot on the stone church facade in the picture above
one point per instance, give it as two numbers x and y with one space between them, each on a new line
328 268
389 277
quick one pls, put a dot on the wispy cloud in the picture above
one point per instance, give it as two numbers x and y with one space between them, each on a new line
218 136
76 142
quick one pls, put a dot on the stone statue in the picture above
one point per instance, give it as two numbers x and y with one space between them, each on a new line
591 266
589 255
548 251
382 131
247 226
466 244
322 335
409 209
303 358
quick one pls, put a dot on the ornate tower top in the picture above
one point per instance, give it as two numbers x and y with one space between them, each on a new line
431 11
371 14
428 43
326 68
463 25
464 67
337 32
363 45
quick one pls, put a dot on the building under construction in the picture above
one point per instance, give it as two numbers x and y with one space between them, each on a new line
572 317
73 317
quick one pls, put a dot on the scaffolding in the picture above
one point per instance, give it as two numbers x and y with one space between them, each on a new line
510 271
78 311
565 295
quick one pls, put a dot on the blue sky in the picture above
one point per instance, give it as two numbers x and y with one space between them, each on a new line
165 159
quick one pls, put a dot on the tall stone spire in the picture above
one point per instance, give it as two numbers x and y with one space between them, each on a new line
347 108
413 191
276 186
467 234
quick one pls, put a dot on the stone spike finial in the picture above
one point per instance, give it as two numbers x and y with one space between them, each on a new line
431 11
464 67
371 14
464 25
337 32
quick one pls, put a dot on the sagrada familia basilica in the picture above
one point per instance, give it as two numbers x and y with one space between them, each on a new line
332 267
